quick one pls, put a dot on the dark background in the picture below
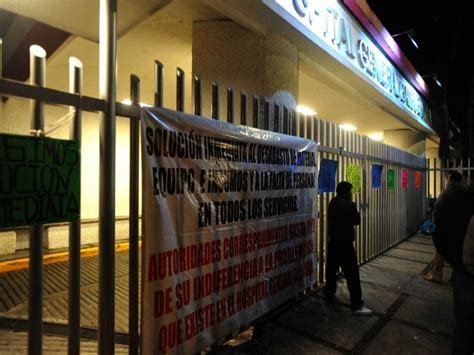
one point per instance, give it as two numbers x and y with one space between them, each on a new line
444 31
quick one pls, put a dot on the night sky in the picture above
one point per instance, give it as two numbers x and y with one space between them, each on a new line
444 32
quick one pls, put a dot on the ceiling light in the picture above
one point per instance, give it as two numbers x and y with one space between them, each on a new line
348 127
435 79
376 136
410 34
306 110
128 102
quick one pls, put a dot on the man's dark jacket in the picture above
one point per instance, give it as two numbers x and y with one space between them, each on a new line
342 217
451 214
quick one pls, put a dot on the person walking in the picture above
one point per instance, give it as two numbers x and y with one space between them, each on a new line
342 217
452 212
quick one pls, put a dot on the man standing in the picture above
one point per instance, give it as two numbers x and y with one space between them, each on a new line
342 217
451 215
463 342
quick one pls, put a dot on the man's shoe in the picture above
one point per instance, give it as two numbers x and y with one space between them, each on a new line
363 311
431 278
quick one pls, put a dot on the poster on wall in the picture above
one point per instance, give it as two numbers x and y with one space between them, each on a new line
391 180
377 176
404 178
353 175
229 221
417 179
39 180
327 175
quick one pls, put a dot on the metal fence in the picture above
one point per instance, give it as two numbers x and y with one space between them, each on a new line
388 217
438 168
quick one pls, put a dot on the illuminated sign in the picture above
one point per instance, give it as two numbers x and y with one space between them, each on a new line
330 26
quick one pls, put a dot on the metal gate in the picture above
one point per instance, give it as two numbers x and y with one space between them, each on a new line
437 170
388 217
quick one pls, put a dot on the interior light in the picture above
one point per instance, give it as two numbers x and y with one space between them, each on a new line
413 41
376 136
348 127
129 102
410 34
435 79
37 51
306 110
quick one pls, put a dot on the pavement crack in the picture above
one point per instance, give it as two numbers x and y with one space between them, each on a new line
367 339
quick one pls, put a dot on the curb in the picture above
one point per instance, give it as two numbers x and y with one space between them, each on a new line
24 263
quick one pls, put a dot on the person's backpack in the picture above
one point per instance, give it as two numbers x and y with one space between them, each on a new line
427 227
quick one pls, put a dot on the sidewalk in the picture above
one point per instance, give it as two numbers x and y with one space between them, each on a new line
412 316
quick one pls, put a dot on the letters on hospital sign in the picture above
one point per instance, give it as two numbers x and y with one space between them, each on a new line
330 26
229 217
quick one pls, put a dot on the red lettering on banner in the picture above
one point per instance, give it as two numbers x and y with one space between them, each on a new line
162 302
251 295
230 305
221 310
170 335
152 268
183 294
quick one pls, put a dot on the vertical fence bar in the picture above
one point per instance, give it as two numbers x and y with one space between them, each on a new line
230 105
285 120
301 120
276 118
294 124
266 115
35 296
256 111
309 121
469 164
107 82
243 108
74 299
197 96
158 84
428 175
215 101
442 180
133 304
179 90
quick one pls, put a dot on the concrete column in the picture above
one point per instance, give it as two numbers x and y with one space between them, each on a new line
406 139
234 56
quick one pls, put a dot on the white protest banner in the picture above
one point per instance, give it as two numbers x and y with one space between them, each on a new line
229 215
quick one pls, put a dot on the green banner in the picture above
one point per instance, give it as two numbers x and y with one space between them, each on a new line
353 174
39 180
391 180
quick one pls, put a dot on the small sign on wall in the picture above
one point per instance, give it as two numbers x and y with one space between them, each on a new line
353 173
327 175
404 178
377 176
391 180
417 179
39 180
